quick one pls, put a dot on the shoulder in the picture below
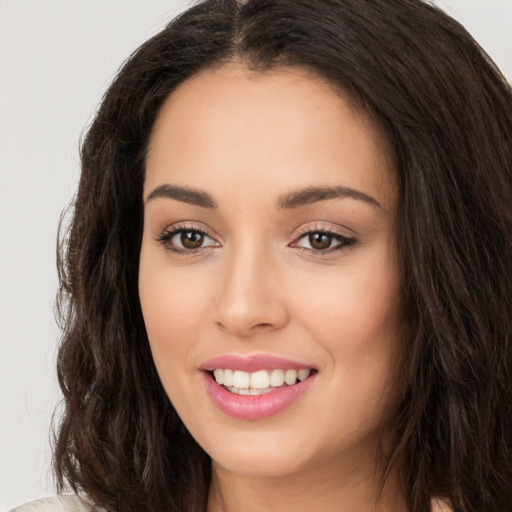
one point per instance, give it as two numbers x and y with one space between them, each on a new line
57 504
440 505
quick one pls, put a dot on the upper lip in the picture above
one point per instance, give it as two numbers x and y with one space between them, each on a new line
252 363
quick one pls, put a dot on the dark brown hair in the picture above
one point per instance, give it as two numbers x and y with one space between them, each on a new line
447 113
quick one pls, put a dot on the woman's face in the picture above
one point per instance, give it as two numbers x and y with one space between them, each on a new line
268 253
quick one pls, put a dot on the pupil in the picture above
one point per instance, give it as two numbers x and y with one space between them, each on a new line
320 241
191 239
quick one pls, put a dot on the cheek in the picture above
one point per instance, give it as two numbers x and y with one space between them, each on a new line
355 307
167 304
172 304
169 308
354 318
170 295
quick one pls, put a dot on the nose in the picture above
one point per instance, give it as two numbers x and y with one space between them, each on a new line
251 298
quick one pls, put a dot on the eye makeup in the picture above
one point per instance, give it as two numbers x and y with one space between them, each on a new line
188 240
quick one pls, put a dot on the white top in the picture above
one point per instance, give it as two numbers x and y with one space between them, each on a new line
56 504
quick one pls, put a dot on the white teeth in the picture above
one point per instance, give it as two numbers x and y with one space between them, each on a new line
241 380
219 376
303 374
290 377
228 377
253 392
277 378
260 380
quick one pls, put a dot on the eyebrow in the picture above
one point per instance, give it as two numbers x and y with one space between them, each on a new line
311 195
295 199
183 194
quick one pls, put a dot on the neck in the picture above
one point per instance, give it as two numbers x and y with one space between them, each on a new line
319 488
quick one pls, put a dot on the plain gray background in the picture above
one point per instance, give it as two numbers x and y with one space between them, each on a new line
56 59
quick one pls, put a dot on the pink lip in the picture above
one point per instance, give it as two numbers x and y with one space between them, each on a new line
252 363
247 407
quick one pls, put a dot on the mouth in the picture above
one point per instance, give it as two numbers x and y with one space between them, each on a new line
259 382
256 387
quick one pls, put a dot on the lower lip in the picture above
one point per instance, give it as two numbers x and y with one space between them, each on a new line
255 407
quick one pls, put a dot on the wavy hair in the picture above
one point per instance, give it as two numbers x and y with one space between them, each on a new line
447 113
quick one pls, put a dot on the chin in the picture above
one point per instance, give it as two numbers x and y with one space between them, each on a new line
261 465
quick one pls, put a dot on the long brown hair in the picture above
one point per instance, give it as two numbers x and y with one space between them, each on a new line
447 113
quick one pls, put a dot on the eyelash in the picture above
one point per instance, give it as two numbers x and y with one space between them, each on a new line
168 234
344 242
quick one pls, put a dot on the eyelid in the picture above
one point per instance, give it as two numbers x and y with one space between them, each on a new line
165 235
189 226
323 227
345 237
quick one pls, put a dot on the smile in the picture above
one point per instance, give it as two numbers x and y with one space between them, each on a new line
255 387
259 382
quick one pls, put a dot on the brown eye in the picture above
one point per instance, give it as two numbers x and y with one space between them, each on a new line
185 241
323 242
191 239
320 241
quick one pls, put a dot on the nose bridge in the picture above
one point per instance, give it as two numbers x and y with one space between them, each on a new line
250 298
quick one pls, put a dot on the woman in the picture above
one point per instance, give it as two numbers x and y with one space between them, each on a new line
287 281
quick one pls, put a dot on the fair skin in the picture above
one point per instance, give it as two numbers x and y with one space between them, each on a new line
247 269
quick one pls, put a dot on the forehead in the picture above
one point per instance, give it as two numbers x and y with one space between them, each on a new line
279 124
